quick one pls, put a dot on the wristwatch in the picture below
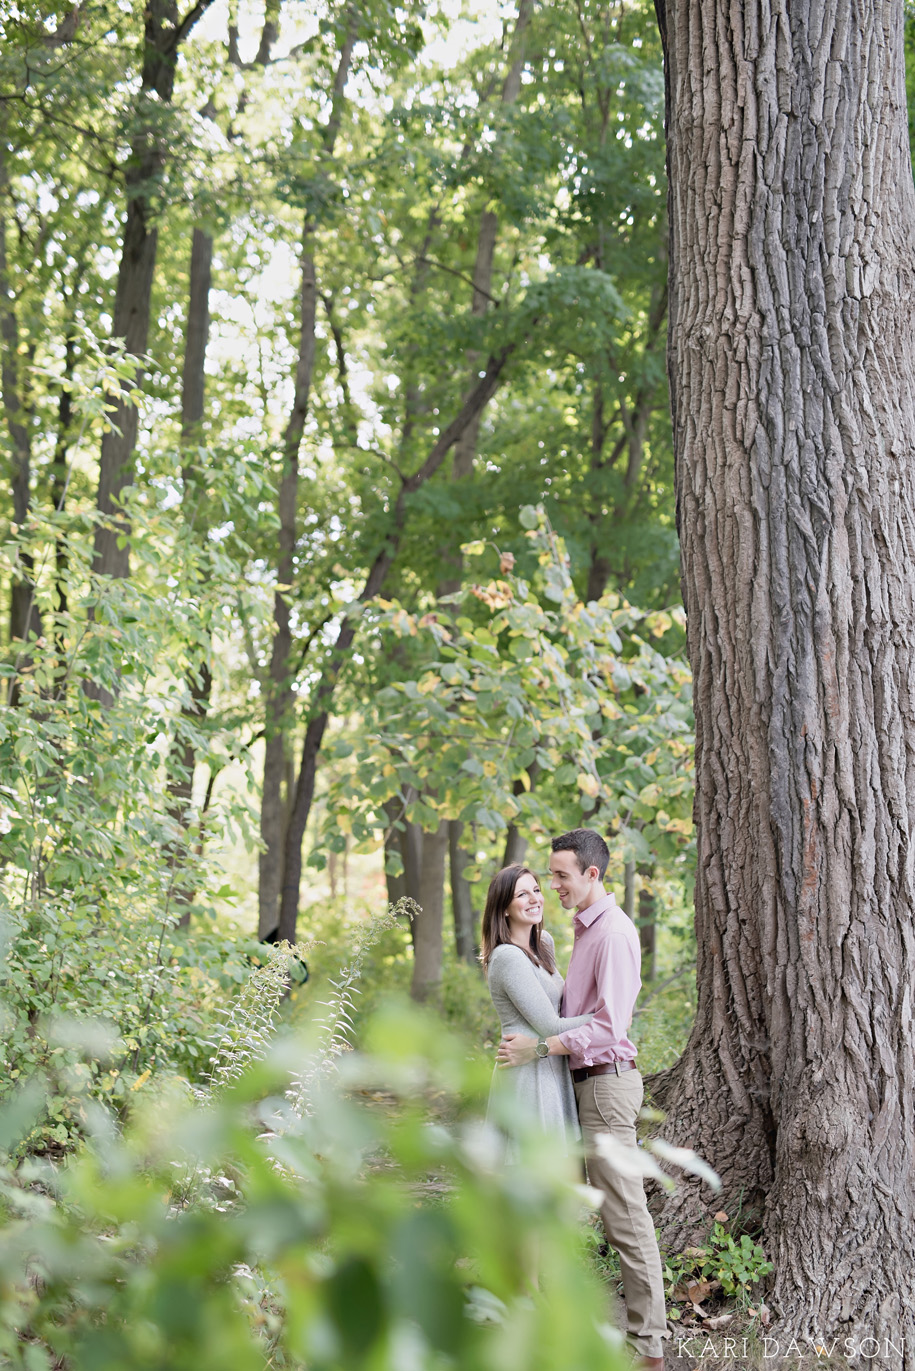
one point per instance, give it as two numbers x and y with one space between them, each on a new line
543 1048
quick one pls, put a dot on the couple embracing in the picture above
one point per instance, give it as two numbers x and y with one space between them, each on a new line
579 1066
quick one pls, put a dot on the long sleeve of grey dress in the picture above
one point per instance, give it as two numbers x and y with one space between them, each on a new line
527 999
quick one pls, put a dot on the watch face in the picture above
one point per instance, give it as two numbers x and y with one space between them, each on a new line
542 1050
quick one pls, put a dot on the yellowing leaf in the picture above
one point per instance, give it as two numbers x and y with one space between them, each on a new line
588 784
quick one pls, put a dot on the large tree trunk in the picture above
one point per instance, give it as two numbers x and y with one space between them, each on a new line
793 379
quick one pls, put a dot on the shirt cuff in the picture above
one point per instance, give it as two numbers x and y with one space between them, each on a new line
576 1040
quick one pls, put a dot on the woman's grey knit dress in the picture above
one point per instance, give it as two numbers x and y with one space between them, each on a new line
527 1000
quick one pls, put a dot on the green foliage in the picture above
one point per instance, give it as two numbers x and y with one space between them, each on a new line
337 931
737 1264
465 1005
336 1026
319 1254
101 860
528 685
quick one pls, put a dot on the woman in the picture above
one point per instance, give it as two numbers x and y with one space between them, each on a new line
519 960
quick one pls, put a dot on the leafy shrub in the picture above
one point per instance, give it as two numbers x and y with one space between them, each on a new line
736 1264
386 969
98 860
321 1253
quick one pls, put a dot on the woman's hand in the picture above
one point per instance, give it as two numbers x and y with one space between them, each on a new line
516 1049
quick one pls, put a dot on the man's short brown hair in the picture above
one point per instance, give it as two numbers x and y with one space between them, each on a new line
588 846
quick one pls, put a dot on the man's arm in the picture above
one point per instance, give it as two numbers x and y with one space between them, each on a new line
617 980
517 1049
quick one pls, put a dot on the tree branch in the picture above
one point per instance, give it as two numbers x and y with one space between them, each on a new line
440 266
186 24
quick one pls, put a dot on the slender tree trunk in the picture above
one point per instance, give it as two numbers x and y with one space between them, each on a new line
465 941
427 941
193 376
24 617
411 840
515 847
465 450
281 697
629 889
269 32
397 885
273 877
793 381
324 693
58 487
647 925
515 844
163 34
200 679
181 786
635 422
412 846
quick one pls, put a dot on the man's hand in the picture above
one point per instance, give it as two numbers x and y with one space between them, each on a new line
516 1049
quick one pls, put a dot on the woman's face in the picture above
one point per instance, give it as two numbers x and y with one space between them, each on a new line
526 908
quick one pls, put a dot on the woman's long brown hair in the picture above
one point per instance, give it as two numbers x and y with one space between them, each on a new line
495 919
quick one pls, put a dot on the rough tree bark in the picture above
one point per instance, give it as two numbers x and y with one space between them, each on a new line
792 361
163 34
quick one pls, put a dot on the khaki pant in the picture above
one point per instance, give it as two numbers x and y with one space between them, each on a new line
610 1104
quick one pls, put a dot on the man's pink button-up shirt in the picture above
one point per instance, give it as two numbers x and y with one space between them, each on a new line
604 979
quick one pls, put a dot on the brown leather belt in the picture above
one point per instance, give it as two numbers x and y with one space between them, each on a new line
603 1069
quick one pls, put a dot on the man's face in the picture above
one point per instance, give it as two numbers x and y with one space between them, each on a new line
571 885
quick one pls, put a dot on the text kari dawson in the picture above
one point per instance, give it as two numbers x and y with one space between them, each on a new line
775 1349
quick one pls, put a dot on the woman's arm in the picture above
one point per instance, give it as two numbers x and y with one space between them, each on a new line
513 974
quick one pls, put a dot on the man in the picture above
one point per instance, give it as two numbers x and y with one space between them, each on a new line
604 979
